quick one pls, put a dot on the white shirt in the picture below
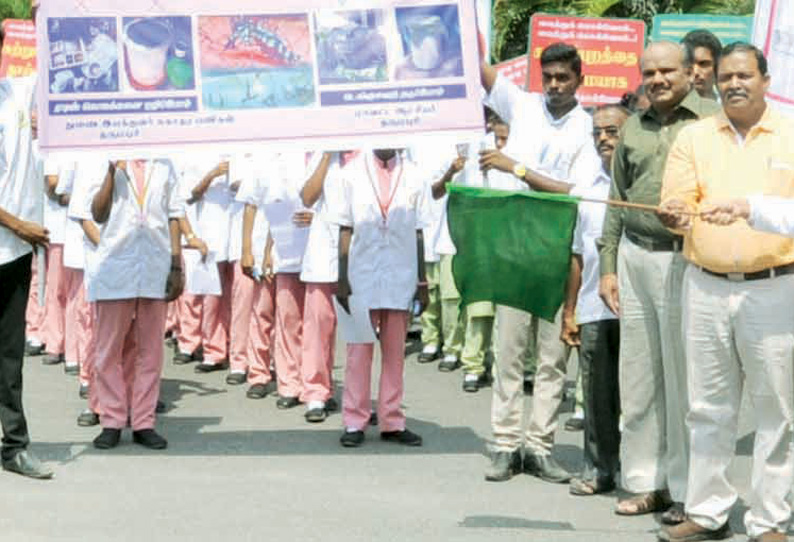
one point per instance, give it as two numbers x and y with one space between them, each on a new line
87 172
21 182
383 266
54 213
251 192
772 214
321 257
213 212
589 223
561 149
134 253
433 161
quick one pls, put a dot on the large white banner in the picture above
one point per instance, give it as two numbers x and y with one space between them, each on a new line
137 75
774 35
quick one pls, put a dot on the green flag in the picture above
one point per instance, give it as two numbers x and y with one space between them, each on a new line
514 248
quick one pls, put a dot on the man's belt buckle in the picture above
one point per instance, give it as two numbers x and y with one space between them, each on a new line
735 277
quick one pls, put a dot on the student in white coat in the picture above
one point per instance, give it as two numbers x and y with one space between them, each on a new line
138 270
381 213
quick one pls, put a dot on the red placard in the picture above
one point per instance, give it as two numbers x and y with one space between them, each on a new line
610 51
515 70
19 48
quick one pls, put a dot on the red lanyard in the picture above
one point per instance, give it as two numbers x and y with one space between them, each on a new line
384 208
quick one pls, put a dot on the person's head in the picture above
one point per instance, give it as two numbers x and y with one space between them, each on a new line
742 80
501 131
385 154
607 121
34 8
704 48
561 68
666 69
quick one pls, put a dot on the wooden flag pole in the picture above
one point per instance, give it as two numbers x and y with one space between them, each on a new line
627 205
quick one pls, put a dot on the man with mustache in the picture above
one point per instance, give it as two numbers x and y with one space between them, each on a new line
641 260
737 303
705 49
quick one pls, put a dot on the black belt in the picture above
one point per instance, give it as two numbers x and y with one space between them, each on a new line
656 245
772 272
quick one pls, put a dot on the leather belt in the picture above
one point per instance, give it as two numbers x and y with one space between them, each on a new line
772 272
656 245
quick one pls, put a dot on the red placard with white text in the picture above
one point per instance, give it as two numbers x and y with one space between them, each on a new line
610 51
19 48
515 70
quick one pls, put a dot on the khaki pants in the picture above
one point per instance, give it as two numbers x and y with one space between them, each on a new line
653 398
507 410
739 333
431 317
452 321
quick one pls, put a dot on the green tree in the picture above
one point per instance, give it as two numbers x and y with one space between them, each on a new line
511 17
14 9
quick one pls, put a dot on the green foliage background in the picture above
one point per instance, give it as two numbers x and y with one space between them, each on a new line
511 17
14 9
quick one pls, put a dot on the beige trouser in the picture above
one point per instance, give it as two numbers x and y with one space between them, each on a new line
739 333
514 336
653 393
452 321
431 316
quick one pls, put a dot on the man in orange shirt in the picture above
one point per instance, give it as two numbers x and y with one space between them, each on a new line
737 303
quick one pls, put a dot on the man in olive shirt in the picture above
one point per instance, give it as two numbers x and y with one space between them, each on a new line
641 261
737 296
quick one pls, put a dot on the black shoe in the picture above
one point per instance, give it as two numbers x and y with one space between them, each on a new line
285 403
107 439
471 385
574 424
211 367
160 407
181 358
331 405
71 369
545 468
149 439
352 439
27 464
404 437
424 357
529 383
236 379
316 415
448 365
31 350
87 418
85 389
504 465
52 359
260 391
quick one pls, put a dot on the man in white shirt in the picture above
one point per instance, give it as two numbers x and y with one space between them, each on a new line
589 324
21 202
549 149
138 270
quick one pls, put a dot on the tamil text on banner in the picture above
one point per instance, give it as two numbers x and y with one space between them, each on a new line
516 70
610 51
19 48
514 248
127 75
728 28
774 34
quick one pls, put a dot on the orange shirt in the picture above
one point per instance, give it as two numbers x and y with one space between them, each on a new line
708 162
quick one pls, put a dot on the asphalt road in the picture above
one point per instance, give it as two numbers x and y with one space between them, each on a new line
240 469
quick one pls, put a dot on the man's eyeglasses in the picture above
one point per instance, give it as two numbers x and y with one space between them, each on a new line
611 131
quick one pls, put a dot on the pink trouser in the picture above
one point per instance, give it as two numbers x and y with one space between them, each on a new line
190 309
215 322
34 315
392 326
261 333
290 294
172 318
79 321
58 279
318 342
243 289
127 378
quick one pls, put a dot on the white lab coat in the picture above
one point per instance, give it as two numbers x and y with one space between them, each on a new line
321 257
87 171
55 213
383 265
133 258
213 212
250 192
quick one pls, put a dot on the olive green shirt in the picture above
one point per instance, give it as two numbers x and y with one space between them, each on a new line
637 170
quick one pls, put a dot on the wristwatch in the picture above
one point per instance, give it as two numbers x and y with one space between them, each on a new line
519 170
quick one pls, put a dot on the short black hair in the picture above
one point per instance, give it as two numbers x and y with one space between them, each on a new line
744 47
562 52
703 38
618 106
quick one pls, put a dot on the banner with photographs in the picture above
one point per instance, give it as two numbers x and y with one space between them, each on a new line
143 74
774 34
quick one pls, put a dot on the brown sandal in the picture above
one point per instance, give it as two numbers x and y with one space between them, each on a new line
586 488
645 503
